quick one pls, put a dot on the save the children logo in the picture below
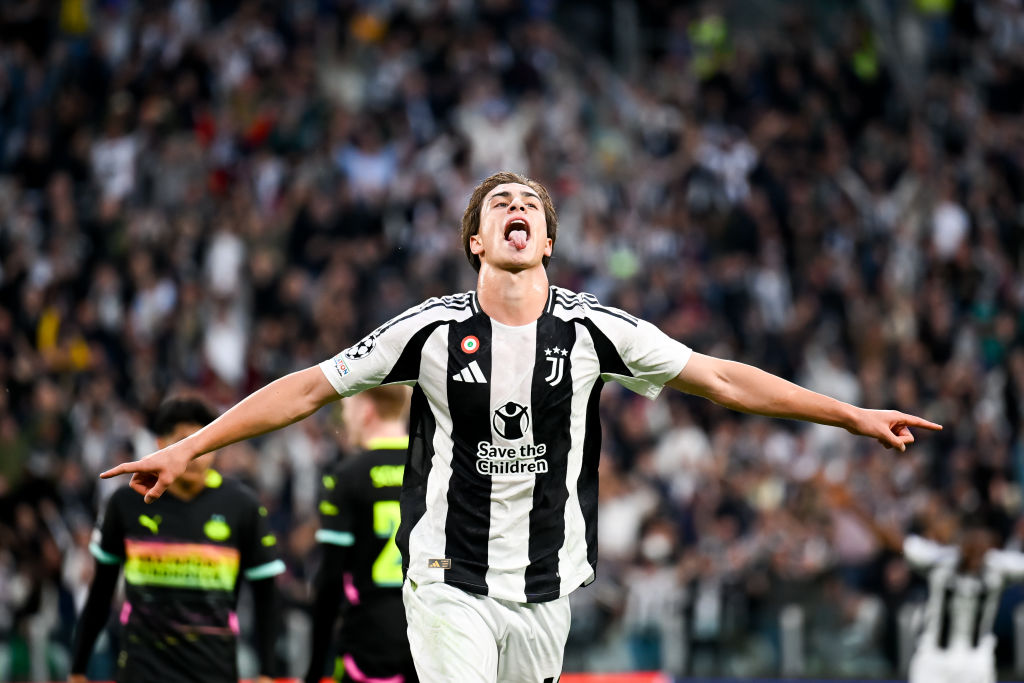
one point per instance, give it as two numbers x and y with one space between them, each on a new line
496 460
511 421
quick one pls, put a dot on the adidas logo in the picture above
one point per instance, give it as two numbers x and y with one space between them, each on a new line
471 373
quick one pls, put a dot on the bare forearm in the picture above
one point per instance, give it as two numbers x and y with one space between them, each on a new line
750 390
279 404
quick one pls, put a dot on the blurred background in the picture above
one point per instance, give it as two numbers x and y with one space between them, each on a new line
208 195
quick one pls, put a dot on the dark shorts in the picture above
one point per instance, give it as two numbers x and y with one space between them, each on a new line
373 642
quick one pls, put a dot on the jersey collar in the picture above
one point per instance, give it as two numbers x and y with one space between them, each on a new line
387 442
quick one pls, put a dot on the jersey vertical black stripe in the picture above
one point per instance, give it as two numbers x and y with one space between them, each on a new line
551 397
608 357
469 492
418 461
586 484
946 616
980 605
611 363
407 367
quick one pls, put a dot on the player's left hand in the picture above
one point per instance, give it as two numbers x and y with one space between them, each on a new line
264 679
890 427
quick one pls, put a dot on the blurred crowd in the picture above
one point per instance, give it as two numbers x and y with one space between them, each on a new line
205 196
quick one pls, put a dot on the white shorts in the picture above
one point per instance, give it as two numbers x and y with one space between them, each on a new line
959 665
470 638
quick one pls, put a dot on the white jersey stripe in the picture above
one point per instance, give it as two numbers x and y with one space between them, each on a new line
573 568
508 551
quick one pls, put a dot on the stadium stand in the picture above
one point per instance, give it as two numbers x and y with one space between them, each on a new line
208 195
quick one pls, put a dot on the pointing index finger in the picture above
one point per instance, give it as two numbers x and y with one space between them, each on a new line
915 421
123 468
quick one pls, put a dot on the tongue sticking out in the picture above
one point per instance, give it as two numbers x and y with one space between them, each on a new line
518 238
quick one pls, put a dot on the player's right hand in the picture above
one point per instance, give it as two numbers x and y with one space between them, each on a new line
77 678
153 474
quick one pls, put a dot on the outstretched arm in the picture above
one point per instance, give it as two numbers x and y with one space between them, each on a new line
840 498
750 390
279 404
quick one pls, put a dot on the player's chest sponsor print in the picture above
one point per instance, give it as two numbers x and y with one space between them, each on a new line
511 422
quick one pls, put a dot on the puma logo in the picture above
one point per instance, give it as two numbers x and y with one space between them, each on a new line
151 523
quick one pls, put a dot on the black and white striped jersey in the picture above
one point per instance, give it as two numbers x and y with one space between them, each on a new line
500 489
961 607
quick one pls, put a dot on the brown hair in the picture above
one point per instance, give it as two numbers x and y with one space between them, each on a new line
390 401
471 218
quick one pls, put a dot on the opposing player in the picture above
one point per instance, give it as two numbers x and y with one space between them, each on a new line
181 557
499 502
359 516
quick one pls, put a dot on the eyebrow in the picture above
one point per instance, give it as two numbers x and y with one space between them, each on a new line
508 195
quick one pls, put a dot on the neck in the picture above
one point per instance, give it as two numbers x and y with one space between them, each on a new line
186 490
383 429
512 298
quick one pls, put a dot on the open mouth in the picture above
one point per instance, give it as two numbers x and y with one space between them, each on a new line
517 231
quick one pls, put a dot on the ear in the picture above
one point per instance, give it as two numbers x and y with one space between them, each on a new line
476 245
549 246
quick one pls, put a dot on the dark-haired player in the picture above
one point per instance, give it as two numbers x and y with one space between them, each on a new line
966 574
359 516
182 558
499 501
965 581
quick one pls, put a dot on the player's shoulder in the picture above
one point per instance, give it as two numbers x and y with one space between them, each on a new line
123 497
438 309
231 488
569 305
924 551
439 306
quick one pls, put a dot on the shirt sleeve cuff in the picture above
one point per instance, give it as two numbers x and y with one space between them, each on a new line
342 538
334 370
265 571
102 556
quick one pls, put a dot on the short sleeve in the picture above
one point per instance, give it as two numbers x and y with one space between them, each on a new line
1009 564
107 543
633 352
390 354
653 358
335 507
923 554
259 551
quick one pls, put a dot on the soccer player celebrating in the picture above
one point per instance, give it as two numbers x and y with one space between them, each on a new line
499 500
181 556
965 582
359 516
957 643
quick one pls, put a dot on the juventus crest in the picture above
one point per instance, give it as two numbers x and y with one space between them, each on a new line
556 359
